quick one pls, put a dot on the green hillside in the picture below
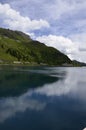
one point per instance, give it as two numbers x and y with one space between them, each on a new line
17 46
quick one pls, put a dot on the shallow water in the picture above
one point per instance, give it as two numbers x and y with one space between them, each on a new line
42 98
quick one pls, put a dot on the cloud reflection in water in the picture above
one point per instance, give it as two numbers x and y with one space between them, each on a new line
10 106
73 85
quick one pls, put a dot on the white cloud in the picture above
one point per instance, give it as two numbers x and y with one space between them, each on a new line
50 10
80 39
71 47
66 17
61 43
13 19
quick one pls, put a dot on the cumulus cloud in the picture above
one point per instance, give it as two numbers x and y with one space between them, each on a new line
61 17
80 40
65 16
14 20
72 48
61 43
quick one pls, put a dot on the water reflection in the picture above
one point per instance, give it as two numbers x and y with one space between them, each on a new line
54 98
16 81
73 84
10 106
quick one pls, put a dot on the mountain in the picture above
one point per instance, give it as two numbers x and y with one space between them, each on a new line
77 63
17 47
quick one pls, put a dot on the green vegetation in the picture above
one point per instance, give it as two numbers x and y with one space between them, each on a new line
77 63
16 46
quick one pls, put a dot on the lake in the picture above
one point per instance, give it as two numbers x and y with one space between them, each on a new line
42 98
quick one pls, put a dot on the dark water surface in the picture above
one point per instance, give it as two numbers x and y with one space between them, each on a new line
42 98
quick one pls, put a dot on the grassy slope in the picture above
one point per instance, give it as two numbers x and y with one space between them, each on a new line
15 45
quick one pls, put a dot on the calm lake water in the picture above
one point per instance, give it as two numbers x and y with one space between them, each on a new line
42 98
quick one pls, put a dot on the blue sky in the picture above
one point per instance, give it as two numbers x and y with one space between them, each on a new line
57 23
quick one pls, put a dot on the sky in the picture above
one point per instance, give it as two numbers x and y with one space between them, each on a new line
57 23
